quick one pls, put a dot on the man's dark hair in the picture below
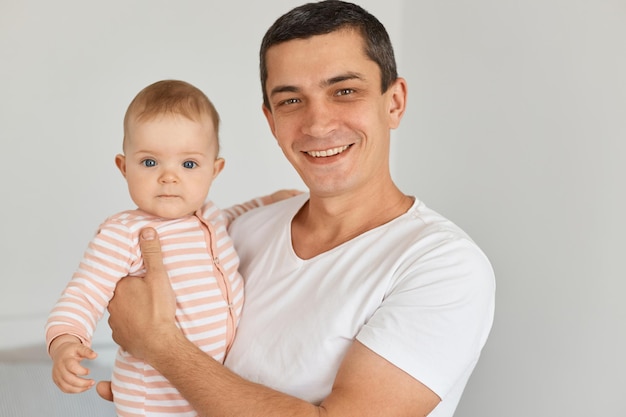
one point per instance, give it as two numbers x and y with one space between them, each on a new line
328 16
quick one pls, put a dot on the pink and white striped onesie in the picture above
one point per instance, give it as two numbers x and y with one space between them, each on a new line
202 265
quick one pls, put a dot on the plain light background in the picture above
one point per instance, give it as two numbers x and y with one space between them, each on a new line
515 130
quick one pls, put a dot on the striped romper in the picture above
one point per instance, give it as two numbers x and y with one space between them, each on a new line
202 265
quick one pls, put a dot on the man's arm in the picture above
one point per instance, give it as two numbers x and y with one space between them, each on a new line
142 321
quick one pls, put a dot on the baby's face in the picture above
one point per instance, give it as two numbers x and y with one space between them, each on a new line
169 164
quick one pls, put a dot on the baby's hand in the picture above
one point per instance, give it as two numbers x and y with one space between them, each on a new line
67 373
284 194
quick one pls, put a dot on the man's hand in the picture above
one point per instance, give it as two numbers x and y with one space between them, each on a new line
142 309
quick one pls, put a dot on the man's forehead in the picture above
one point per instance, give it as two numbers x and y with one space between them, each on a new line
329 56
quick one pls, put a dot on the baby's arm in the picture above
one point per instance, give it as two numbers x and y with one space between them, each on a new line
73 318
67 352
237 210
282 195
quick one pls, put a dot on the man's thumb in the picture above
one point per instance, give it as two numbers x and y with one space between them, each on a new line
104 390
151 251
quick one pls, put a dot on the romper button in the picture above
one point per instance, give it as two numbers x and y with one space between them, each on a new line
216 260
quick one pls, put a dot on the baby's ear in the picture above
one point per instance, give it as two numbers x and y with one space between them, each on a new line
120 162
218 166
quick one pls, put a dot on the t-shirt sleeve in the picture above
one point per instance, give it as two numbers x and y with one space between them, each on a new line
436 315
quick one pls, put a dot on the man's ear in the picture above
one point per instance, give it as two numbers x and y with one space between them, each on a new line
120 162
397 102
218 166
270 118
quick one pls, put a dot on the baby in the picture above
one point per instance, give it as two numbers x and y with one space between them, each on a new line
170 160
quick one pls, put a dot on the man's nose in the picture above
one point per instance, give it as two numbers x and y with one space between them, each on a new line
319 118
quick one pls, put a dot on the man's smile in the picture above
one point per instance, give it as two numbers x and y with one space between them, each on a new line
328 152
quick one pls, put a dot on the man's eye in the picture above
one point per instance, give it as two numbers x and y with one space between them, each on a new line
148 162
290 101
345 92
189 164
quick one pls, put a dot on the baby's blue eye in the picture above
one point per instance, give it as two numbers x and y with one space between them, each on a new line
149 162
189 164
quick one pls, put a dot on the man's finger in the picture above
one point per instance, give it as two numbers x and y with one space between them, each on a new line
151 252
104 390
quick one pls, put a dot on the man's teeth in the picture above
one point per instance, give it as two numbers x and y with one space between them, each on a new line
328 152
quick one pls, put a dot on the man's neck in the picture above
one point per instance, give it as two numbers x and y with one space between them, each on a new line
326 222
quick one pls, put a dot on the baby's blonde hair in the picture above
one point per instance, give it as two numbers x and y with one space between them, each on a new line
170 97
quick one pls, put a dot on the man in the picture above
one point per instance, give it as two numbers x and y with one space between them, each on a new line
360 301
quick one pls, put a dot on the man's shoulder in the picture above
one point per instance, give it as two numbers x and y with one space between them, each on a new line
423 233
428 222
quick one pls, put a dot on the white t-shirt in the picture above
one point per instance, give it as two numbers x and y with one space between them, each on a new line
417 291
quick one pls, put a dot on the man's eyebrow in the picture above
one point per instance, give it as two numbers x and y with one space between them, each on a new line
284 89
342 77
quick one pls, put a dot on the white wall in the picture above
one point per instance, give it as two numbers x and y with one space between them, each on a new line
515 130
68 70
